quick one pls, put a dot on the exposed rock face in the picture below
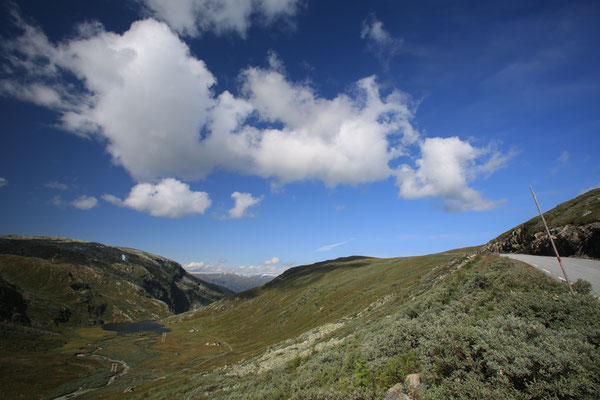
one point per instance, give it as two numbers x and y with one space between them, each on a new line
69 281
570 240
574 225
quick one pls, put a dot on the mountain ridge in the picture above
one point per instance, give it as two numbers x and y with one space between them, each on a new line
90 283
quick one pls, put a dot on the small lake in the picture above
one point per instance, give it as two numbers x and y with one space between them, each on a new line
134 327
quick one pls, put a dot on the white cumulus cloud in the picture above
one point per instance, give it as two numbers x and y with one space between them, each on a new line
85 202
247 270
194 17
347 139
169 198
331 246
243 201
157 109
443 171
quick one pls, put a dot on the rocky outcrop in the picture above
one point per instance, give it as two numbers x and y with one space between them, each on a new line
570 241
574 225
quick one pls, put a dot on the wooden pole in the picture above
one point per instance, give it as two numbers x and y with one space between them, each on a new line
551 240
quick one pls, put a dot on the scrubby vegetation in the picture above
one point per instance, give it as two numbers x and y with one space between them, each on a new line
472 326
494 328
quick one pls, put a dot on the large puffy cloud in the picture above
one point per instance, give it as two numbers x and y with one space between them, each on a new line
194 17
156 108
152 101
343 140
444 169
144 93
169 198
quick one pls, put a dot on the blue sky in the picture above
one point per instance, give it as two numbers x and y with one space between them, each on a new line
253 136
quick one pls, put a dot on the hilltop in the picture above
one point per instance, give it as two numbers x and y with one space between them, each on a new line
574 225
49 282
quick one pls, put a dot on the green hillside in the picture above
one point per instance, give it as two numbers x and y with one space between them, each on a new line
475 325
582 210
574 224
50 282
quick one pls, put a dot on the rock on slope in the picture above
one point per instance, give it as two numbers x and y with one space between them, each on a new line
574 225
53 281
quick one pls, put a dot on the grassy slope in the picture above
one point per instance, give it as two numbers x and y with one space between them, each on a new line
90 297
305 331
302 299
55 286
581 210
65 281
302 335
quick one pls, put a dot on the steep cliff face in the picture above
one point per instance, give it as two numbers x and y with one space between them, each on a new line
54 281
574 225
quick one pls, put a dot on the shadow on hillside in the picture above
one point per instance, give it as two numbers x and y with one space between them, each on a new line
306 275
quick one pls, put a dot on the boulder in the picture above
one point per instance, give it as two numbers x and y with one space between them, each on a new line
413 381
397 392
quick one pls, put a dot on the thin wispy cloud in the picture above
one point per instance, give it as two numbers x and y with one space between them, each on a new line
331 246
56 185
379 40
561 162
3 182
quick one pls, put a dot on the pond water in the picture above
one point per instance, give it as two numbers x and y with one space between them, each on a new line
134 327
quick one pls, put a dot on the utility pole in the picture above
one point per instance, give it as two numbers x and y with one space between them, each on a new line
551 240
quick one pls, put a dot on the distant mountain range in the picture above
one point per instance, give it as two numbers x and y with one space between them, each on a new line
235 282
56 281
